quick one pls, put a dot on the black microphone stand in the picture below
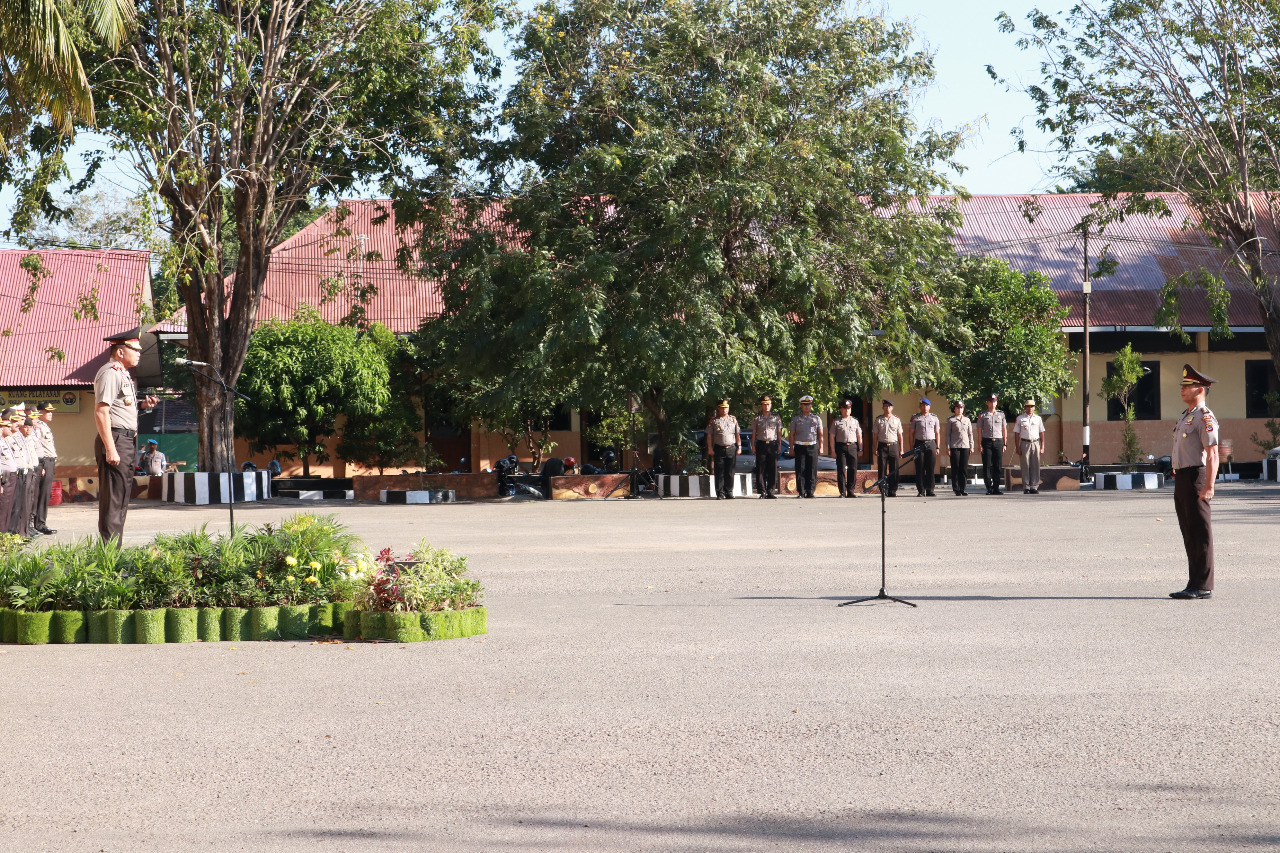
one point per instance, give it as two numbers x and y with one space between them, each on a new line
229 399
883 485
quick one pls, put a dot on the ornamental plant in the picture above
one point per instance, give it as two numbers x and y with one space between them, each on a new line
425 579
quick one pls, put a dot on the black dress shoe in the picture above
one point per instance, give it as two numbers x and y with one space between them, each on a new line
1192 593
1035 491
930 495
46 531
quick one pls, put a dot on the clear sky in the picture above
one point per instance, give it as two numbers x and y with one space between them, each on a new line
964 37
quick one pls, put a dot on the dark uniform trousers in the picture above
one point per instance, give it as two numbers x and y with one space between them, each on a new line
846 467
14 522
959 469
115 483
1195 519
806 468
767 466
29 504
9 484
887 453
925 461
41 514
725 458
992 462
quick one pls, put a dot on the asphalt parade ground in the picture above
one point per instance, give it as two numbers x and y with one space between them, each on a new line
675 676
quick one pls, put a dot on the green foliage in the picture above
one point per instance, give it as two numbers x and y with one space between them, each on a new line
1272 426
1010 335
301 375
426 579
710 196
1127 370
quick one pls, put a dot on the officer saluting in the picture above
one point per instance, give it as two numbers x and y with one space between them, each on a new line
924 429
723 444
115 413
1195 468
888 432
766 432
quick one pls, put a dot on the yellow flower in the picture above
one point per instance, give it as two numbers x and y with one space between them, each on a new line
259 575
291 560
314 566
289 578
313 580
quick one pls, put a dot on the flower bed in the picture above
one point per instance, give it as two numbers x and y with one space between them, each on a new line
307 577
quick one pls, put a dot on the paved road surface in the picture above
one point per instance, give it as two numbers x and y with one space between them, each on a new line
675 676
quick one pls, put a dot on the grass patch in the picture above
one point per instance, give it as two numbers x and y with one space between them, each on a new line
209 624
442 624
237 624
265 623
182 625
148 625
120 626
293 621
340 611
8 626
351 621
403 627
372 625
475 621
320 619
69 626
33 628
98 626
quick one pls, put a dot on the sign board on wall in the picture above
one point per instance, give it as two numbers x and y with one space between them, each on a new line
65 402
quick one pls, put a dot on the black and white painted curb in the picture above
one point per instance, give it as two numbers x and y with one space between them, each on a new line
202 487
418 496
1125 482
317 494
701 486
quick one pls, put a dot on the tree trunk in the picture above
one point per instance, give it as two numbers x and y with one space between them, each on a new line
652 400
306 462
216 445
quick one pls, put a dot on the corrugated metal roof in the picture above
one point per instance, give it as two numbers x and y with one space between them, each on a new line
121 280
1035 234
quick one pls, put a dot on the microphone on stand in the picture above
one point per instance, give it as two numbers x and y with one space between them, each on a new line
190 362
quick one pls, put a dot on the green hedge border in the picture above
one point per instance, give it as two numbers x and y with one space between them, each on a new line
237 624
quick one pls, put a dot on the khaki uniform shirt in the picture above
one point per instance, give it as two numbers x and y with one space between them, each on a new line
1029 427
991 424
8 464
959 432
888 429
17 449
113 385
805 429
925 427
846 430
1195 430
766 427
724 431
45 434
35 448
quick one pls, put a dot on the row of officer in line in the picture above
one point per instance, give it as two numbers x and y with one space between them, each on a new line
806 432
27 460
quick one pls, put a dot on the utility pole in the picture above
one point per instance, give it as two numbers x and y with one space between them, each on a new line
1087 289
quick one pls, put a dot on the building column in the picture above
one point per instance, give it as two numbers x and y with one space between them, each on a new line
1202 352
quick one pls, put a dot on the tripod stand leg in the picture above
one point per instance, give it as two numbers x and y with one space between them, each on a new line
883 596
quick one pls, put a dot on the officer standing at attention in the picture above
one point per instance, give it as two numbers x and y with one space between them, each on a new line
34 449
994 431
1029 428
48 462
925 429
8 473
1195 468
806 440
724 443
959 432
766 432
115 413
889 439
17 524
846 447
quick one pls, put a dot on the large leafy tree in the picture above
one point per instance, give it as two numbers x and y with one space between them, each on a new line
300 376
258 106
699 197
1174 95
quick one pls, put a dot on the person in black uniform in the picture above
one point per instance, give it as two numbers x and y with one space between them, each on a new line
1195 468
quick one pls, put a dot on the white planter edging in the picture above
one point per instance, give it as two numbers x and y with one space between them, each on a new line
317 494
417 496
1125 482
701 486
202 487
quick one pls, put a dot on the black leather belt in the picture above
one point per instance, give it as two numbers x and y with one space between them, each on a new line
1190 468
127 433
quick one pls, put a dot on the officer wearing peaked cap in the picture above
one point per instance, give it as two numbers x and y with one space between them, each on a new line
8 472
806 442
48 465
766 433
889 438
115 414
1195 468
846 446
724 442
925 428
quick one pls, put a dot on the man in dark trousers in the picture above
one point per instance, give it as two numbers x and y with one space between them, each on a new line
959 431
766 433
846 447
889 438
993 430
8 472
806 442
115 414
48 463
1195 468
724 443
924 430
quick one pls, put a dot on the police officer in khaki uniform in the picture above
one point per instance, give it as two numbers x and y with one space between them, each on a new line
959 437
1029 428
724 443
115 413
16 523
806 441
766 433
889 440
48 463
8 472
34 449
846 447
993 430
924 430
1195 468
